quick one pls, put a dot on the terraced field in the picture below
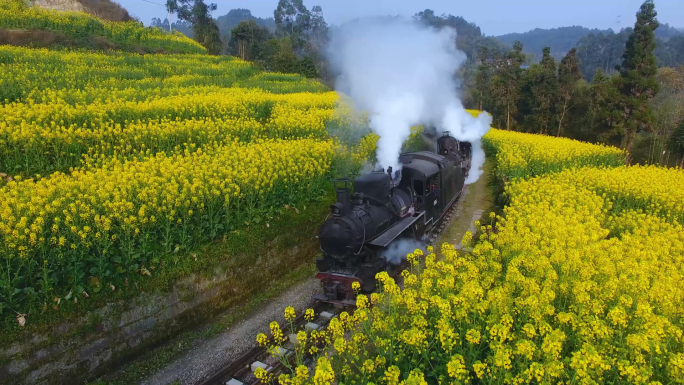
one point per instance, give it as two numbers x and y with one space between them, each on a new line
113 162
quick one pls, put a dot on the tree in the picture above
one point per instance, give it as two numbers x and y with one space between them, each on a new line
227 22
568 76
637 83
281 57
292 20
482 78
319 27
560 40
248 41
469 37
307 67
668 112
204 28
539 93
601 51
677 143
505 84
605 107
181 26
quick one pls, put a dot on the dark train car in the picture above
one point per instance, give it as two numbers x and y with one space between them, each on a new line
382 208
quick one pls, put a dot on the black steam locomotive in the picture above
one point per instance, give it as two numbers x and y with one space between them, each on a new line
384 208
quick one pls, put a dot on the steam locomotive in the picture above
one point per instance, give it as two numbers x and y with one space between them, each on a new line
382 209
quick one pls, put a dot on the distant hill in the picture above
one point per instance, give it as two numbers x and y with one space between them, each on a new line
562 39
469 37
225 23
230 20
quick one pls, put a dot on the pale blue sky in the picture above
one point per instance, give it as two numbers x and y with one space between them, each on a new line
495 17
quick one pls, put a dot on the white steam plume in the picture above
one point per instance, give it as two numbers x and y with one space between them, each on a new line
403 74
396 252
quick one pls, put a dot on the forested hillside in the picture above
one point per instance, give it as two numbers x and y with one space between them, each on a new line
597 49
639 105
225 23
560 40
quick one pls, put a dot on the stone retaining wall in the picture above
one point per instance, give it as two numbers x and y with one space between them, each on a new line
81 350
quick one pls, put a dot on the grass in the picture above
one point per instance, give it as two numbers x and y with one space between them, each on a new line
481 196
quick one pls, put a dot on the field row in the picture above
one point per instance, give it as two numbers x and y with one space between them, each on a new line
43 138
42 76
15 14
114 221
521 155
579 281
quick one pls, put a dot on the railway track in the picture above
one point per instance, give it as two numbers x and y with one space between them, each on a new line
241 370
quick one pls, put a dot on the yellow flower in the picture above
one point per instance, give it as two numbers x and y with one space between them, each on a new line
309 314
261 339
392 375
473 336
457 369
290 314
356 286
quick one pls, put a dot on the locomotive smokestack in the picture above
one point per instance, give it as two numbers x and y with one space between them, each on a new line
343 195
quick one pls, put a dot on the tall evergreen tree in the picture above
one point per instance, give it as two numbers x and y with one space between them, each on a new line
605 107
543 88
569 75
637 82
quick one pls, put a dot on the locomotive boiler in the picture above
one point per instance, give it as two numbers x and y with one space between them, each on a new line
383 208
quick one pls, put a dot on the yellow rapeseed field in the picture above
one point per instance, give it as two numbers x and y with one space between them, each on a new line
578 281
113 164
521 155
16 14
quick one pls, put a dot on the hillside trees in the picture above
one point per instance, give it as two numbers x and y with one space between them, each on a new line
204 27
668 113
542 88
182 26
677 144
568 77
247 41
292 20
469 37
227 22
638 106
505 85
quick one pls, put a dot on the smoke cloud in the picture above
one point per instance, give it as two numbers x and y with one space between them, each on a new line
396 252
403 74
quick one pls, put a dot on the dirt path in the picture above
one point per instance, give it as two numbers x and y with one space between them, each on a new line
476 203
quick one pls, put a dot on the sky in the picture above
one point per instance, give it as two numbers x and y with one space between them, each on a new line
494 17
